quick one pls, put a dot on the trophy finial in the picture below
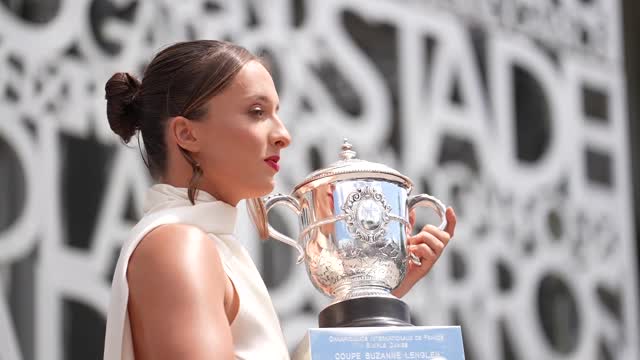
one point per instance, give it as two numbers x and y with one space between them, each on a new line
347 153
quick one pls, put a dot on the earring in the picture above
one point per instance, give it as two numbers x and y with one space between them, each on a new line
192 190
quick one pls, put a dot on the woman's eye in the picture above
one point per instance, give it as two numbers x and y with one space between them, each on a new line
257 112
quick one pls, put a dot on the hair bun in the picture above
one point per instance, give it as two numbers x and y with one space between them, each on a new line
120 92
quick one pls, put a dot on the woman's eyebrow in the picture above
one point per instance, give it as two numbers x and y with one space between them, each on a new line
259 97
263 98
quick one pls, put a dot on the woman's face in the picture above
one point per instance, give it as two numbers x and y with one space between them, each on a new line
242 137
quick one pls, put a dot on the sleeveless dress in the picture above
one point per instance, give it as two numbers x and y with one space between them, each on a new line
256 330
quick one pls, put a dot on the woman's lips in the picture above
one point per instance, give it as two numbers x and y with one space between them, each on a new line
273 162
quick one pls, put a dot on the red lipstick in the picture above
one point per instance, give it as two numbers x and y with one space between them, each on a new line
273 162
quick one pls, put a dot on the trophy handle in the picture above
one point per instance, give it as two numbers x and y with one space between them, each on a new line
292 204
432 202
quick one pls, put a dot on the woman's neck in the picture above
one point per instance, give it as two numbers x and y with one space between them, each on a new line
180 174
181 182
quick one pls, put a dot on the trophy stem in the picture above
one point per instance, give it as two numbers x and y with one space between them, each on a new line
366 311
352 289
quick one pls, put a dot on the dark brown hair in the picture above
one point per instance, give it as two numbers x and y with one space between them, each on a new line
179 81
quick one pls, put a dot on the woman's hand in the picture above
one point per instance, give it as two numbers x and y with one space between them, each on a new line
427 246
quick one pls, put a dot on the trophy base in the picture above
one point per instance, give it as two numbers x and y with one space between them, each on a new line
370 311
407 342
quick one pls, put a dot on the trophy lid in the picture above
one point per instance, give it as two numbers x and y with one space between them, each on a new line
350 167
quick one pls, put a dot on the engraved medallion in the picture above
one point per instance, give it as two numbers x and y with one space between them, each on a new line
367 214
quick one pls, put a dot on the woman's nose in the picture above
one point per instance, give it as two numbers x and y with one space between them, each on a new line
280 136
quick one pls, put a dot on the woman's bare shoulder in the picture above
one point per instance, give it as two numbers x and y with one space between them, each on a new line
177 288
176 250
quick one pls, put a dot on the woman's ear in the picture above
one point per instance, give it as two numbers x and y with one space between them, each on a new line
184 133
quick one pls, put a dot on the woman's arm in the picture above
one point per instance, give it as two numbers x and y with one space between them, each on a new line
176 296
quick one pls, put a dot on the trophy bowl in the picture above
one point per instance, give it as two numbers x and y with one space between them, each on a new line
353 218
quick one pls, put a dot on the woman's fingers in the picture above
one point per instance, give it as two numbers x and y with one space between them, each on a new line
451 221
430 231
429 243
425 253
429 238
450 215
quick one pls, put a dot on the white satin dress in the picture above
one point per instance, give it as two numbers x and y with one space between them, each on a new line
256 330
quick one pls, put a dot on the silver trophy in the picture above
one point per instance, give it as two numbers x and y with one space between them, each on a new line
354 224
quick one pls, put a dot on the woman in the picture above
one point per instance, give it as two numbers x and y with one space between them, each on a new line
183 287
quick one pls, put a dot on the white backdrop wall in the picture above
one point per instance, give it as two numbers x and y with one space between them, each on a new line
512 111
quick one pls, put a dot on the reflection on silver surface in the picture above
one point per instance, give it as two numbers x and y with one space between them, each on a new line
354 226
362 250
